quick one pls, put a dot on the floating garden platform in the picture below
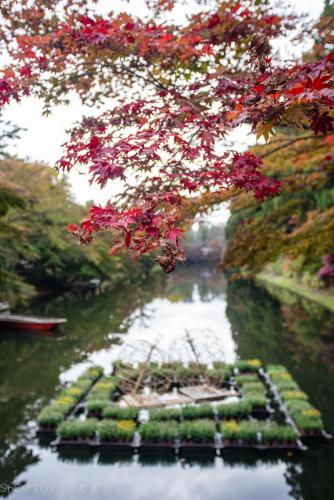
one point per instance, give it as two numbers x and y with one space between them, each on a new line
183 409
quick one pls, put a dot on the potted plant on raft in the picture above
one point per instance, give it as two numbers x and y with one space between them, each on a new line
294 406
254 388
77 431
95 407
278 373
230 432
238 410
157 434
286 385
92 373
196 411
275 435
309 422
307 418
247 365
118 433
258 402
245 378
197 434
103 389
49 419
120 413
297 395
64 405
165 414
243 433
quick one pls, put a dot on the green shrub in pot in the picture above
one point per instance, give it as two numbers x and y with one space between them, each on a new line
192 412
165 414
249 430
116 430
248 365
299 395
246 378
287 385
92 373
96 405
198 431
272 432
49 418
238 409
120 413
77 429
254 387
158 432
296 405
256 400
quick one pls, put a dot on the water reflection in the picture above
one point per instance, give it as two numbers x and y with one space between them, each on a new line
248 320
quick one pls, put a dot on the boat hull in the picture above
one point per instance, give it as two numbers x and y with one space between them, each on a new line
29 323
28 326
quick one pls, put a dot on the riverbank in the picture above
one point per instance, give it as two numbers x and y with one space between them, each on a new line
321 297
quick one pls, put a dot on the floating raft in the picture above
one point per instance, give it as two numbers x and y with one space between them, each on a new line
192 419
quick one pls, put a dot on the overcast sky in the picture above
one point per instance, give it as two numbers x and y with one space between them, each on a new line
44 135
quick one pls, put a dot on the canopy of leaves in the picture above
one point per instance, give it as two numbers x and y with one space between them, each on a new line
202 79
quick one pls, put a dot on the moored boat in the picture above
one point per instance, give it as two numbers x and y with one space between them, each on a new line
23 322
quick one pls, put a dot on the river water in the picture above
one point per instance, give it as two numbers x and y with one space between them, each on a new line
249 323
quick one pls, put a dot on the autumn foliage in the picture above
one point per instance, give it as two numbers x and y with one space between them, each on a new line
180 89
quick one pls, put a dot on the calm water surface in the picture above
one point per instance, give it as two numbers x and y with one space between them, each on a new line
249 322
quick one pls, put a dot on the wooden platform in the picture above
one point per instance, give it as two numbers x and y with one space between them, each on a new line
205 393
154 400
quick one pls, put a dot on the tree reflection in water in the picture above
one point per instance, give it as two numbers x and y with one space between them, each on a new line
275 329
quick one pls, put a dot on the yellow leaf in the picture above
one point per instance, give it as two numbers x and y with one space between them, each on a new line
264 129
